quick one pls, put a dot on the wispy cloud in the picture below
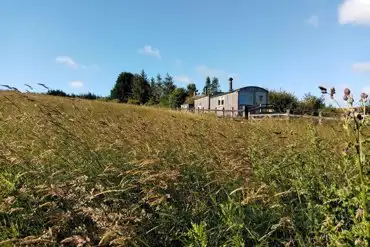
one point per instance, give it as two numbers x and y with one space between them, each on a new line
71 63
66 60
76 84
313 21
148 50
361 67
183 79
355 12
206 71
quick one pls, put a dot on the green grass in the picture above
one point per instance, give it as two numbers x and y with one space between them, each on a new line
108 174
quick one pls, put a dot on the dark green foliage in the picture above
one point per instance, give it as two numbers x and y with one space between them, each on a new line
282 100
61 93
208 87
310 104
89 95
215 86
191 89
57 92
140 88
168 85
122 90
177 97
156 90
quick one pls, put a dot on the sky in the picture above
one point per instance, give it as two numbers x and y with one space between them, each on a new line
82 46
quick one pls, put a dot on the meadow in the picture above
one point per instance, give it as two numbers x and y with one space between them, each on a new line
90 173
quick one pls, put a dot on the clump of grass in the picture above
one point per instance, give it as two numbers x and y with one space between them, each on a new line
95 173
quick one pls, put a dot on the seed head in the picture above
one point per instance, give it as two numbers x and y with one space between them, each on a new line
332 92
364 97
323 90
345 97
347 91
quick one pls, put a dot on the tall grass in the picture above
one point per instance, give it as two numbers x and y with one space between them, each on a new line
88 173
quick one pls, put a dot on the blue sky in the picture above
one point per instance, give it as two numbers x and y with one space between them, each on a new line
81 46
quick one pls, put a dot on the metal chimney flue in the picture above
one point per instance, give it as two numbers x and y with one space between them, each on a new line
230 84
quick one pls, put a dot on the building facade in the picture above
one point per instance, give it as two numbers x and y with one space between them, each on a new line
234 99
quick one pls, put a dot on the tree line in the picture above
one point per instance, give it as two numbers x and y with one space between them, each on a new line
137 88
58 92
283 100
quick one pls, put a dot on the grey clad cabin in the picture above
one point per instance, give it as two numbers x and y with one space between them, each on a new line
235 99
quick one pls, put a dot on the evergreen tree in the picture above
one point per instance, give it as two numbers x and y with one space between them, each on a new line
155 92
177 97
191 89
159 84
140 88
215 86
168 85
207 87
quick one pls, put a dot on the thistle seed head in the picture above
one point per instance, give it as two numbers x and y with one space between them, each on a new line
364 97
347 91
323 90
332 92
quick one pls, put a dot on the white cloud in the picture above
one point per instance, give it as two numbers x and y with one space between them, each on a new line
206 71
355 12
76 84
149 51
67 61
313 21
361 67
182 79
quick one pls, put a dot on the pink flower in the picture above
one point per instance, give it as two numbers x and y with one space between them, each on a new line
347 91
364 96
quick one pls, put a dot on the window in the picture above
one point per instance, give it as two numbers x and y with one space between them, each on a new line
261 98
221 101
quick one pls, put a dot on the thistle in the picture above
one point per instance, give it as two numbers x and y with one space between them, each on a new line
359 121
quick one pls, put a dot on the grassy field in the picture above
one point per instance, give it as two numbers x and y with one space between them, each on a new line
107 174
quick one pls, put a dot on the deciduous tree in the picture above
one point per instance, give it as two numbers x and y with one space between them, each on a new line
122 90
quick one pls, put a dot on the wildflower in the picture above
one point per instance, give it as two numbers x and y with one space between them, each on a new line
332 92
347 91
323 90
364 97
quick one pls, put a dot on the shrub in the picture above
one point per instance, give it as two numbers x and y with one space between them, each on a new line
133 102
57 92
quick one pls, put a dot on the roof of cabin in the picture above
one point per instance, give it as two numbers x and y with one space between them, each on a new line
235 90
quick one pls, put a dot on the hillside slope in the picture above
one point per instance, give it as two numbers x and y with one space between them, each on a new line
111 174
